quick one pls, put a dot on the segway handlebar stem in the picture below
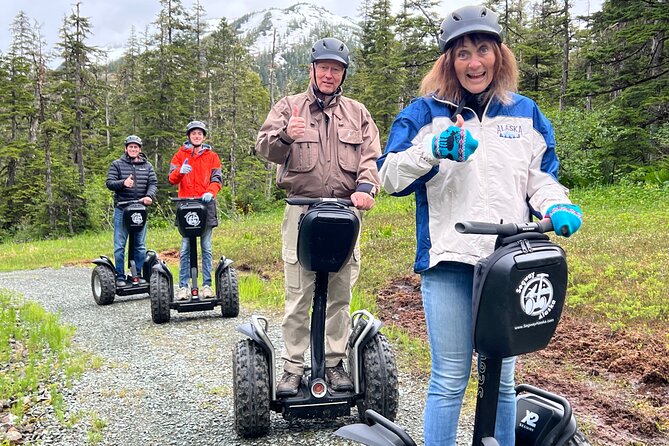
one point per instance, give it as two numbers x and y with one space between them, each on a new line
503 229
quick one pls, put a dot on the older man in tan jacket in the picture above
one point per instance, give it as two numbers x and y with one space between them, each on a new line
326 145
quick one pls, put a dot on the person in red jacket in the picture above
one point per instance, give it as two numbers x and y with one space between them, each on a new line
196 169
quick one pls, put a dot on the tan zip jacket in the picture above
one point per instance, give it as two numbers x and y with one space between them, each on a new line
335 157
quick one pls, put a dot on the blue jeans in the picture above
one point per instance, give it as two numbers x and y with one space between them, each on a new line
120 238
184 258
447 299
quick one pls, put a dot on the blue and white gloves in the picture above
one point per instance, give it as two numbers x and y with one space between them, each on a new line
207 197
566 218
185 167
455 143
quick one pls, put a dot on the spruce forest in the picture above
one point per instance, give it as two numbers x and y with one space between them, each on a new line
601 79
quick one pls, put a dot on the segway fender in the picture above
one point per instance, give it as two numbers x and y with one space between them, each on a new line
376 327
379 431
161 268
248 330
257 330
150 259
104 261
365 326
375 435
223 263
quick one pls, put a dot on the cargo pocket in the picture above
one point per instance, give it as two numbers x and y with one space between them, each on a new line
350 141
291 268
304 152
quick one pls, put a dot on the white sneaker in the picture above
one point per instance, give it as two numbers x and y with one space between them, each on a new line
183 293
206 292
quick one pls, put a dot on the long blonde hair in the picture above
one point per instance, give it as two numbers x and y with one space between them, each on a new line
442 82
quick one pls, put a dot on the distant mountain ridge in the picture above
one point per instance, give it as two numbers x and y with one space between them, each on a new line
294 25
290 32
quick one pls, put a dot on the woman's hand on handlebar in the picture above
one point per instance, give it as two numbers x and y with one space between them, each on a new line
146 201
566 218
362 201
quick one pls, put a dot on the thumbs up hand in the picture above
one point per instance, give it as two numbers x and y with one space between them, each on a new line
129 182
296 125
455 143
185 167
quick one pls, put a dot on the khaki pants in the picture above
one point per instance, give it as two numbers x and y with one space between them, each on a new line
299 298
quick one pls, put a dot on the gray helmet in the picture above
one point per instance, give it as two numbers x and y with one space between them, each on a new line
196 125
465 20
330 49
133 138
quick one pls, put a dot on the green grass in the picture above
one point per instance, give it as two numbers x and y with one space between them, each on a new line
36 355
618 262
619 269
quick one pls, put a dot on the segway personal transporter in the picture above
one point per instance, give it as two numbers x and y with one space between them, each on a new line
519 291
103 278
192 222
326 238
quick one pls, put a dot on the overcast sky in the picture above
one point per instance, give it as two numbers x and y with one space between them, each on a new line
111 20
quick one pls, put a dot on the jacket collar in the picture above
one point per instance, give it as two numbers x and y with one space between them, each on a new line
313 97
188 147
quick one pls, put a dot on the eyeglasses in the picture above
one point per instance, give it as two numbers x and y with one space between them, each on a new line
335 70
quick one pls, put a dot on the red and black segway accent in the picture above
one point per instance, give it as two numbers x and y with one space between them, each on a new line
326 239
103 278
519 292
191 219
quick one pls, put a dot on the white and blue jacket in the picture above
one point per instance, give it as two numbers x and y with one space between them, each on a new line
511 174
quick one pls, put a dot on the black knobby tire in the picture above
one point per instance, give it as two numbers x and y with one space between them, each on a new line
228 292
578 440
251 389
159 291
103 284
379 375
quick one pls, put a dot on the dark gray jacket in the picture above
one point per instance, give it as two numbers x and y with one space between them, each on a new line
146 182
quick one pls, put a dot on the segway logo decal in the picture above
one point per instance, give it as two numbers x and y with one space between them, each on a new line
136 218
530 420
536 295
192 219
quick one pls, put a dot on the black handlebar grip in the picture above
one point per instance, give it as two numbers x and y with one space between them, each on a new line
476 227
503 229
545 225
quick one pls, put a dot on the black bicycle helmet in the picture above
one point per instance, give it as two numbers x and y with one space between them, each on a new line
330 49
196 125
465 20
133 138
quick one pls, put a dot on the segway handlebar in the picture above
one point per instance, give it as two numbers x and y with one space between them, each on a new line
303 201
182 199
127 202
503 229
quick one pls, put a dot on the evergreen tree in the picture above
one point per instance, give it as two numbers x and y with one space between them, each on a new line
79 89
418 31
379 75
235 93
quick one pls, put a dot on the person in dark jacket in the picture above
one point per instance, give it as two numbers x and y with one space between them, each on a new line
131 177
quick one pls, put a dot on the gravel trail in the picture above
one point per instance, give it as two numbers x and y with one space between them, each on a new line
167 384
